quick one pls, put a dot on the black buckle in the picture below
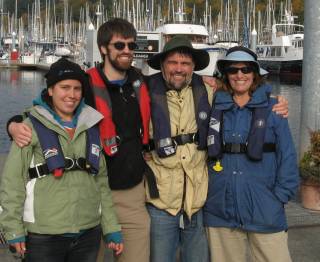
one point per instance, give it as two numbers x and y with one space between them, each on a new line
235 148
69 163
74 164
195 138
148 147
82 163
184 139
39 171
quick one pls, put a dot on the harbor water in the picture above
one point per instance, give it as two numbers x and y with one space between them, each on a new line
18 88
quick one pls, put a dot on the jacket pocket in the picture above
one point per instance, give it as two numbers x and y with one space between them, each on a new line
219 200
267 209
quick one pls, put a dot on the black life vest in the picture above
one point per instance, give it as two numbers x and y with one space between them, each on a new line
103 105
164 144
255 145
53 153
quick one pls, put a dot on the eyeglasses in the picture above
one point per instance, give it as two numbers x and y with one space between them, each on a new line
121 45
234 70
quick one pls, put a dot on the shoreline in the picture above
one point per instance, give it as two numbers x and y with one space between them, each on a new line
18 65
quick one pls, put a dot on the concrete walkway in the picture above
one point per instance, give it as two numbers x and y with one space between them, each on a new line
304 233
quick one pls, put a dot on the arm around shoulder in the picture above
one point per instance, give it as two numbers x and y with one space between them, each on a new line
19 131
281 107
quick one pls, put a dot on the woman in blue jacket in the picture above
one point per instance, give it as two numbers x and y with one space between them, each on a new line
252 167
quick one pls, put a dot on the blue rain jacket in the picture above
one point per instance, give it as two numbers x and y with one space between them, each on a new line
250 194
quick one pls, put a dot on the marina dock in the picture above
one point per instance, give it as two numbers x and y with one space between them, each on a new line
18 65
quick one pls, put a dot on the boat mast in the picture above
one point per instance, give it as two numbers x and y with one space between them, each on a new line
1 22
65 21
16 17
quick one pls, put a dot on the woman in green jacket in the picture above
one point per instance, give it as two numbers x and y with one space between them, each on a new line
54 196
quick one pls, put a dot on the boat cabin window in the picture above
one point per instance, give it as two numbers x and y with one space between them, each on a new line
198 39
297 44
288 29
276 51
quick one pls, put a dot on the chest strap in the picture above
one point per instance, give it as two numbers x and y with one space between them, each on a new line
164 145
178 140
41 170
234 148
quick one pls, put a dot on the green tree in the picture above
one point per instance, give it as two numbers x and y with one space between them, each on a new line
9 5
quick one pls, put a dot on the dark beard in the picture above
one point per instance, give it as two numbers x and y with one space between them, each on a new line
116 65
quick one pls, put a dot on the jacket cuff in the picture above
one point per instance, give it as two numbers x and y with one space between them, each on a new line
115 237
16 119
17 240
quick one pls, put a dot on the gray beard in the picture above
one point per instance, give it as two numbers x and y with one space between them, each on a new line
172 87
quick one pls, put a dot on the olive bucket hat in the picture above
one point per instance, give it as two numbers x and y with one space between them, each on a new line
200 57
240 54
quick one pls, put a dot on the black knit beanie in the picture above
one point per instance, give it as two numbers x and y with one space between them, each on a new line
64 69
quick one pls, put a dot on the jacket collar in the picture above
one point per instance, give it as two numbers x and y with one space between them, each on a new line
130 78
88 116
260 98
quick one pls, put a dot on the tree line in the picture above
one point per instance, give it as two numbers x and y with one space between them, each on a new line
23 5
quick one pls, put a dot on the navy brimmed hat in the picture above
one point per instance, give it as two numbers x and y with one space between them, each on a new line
64 69
200 57
240 54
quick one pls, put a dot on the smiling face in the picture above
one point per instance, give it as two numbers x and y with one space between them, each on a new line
120 60
66 96
240 81
177 69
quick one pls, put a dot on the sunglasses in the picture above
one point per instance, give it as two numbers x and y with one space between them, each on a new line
234 70
121 45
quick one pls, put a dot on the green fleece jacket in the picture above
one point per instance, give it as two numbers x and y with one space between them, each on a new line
77 201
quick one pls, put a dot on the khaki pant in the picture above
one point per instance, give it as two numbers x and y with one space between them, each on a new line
130 207
233 245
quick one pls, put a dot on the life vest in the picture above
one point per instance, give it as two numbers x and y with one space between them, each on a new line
255 145
54 156
103 105
163 142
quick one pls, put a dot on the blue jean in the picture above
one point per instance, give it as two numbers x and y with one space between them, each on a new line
167 236
60 248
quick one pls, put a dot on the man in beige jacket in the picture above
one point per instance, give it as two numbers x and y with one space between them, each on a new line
180 110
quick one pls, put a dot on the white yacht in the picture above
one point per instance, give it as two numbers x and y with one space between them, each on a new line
150 43
284 53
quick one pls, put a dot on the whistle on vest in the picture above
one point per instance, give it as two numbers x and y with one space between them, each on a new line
217 166
58 172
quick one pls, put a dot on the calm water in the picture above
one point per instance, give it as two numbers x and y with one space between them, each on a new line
19 88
